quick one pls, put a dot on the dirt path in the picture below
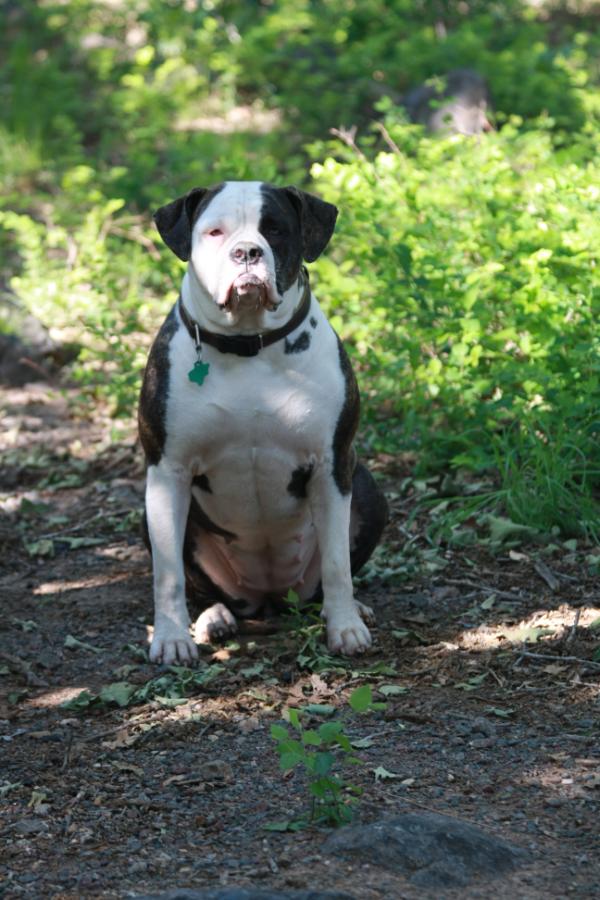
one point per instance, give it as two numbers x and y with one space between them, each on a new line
485 658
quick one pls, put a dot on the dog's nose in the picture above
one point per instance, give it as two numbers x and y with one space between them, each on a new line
247 253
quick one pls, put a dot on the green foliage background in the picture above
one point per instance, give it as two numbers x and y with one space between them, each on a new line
464 272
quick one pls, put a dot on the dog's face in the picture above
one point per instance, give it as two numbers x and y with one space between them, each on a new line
246 240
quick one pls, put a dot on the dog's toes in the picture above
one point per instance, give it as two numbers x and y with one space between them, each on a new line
173 649
351 638
215 623
366 613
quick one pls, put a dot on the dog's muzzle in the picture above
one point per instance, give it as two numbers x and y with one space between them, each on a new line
248 289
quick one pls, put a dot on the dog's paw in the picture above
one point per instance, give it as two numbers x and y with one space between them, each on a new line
214 624
173 647
347 634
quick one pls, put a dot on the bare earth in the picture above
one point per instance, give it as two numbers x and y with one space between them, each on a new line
491 687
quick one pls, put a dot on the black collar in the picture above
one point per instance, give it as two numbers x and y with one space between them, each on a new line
246 344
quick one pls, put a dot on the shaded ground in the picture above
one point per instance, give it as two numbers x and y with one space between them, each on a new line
490 674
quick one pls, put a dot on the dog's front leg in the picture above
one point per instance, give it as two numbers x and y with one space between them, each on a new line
167 506
346 630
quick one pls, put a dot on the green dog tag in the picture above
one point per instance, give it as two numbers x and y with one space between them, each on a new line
199 372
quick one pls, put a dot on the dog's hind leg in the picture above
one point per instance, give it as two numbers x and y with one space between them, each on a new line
215 620
369 515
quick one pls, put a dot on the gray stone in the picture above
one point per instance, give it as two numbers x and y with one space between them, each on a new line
238 893
457 103
31 826
431 850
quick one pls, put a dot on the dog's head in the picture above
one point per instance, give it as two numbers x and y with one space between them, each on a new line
246 240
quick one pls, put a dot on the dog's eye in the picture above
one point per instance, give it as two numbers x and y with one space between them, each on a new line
215 232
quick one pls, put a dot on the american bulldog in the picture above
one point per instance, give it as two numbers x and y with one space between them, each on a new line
247 416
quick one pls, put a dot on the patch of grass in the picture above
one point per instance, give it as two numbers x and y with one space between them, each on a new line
549 476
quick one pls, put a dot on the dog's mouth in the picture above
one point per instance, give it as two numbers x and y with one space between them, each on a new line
249 292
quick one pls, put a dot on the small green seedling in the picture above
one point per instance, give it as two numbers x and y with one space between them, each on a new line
318 751
306 621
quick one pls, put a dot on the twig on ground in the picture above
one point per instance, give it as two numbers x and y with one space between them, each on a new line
559 659
502 595
546 575
68 749
500 681
85 523
573 629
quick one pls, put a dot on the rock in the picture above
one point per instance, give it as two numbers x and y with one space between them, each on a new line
27 352
433 851
457 105
239 893
481 725
31 826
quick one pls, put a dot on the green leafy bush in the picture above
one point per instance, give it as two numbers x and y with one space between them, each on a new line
465 272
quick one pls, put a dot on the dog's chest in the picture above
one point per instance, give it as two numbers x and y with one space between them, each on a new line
251 430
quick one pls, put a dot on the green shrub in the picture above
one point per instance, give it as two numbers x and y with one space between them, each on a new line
465 272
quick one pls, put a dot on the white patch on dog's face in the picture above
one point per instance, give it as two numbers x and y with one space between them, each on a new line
231 258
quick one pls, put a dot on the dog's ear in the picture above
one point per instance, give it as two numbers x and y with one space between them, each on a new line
317 219
175 221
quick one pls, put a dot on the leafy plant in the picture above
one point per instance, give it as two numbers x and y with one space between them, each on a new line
479 348
170 689
318 752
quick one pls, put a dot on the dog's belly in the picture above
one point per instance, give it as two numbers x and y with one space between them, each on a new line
263 572
272 546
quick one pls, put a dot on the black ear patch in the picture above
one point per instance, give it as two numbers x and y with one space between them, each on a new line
176 220
317 220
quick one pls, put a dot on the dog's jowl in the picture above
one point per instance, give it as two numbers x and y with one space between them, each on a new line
247 415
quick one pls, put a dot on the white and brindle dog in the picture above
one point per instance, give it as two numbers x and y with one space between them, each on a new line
247 416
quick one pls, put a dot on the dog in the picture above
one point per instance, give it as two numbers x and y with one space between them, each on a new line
247 416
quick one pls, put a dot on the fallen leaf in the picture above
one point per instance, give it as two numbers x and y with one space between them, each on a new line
503 529
532 634
73 643
382 774
6 788
123 738
319 709
120 692
391 690
45 547
252 671
497 711
293 825
473 683
169 702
